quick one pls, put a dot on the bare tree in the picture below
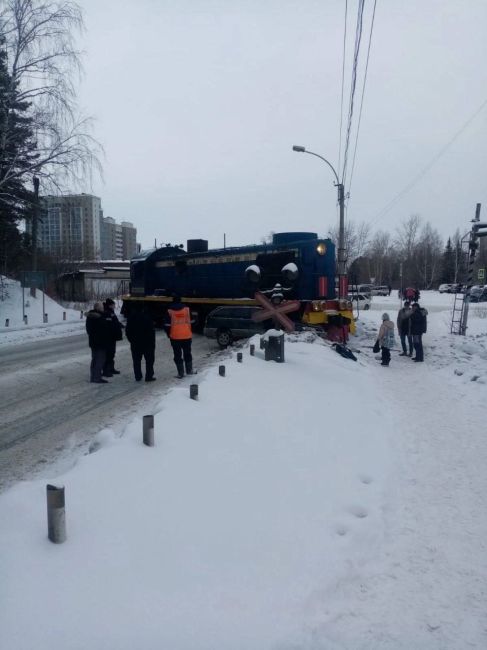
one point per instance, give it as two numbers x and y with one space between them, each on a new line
406 236
428 253
356 239
39 38
381 253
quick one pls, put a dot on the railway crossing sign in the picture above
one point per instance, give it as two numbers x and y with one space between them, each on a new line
275 311
481 274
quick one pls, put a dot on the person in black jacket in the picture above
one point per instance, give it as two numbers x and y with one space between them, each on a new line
99 334
115 335
418 328
142 337
404 329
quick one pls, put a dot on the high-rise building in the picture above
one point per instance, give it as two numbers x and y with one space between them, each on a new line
118 240
69 226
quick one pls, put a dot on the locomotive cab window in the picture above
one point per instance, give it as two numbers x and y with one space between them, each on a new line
181 266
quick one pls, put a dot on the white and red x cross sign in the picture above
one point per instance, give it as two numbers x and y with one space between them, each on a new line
276 312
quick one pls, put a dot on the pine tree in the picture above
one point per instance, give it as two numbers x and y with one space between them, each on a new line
448 264
17 153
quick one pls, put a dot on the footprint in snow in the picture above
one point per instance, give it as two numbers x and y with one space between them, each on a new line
365 479
359 512
341 530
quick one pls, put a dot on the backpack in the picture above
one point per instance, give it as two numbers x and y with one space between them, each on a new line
388 340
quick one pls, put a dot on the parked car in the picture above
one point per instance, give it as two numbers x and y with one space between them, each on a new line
478 294
361 301
445 288
365 289
226 324
380 291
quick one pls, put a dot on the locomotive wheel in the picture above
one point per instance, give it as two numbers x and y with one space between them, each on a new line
224 338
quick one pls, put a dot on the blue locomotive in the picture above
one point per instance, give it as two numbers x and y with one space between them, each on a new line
300 261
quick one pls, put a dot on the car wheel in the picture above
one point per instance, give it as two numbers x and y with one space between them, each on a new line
366 307
224 338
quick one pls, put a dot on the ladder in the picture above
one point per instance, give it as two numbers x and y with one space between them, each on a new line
461 299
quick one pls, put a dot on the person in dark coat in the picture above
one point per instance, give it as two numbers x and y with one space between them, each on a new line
142 337
178 329
404 329
418 328
115 335
99 334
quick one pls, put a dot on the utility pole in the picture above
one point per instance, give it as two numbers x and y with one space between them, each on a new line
35 228
35 223
341 257
478 230
342 269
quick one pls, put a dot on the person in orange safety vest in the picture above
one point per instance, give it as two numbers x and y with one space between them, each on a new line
178 328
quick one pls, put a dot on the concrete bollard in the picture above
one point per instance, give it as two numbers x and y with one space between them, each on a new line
25 319
239 357
45 319
148 430
252 349
221 371
64 315
7 322
193 391
56 515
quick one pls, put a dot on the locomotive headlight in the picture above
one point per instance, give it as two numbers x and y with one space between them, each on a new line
290 272
321 248
252 273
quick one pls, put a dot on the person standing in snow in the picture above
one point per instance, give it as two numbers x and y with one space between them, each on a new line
178 328
142 337
98 327
116 335
418 328
385 339
404 329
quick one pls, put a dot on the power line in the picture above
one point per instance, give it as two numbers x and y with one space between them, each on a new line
425 169
343 84
362 99
358 37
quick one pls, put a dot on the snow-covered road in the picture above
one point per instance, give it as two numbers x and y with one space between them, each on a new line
49 411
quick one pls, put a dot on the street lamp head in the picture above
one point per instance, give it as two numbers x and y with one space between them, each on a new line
297 147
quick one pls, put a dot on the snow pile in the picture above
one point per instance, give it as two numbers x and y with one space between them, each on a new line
11 308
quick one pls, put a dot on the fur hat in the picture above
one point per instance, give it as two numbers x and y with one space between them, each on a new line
98 306
385 316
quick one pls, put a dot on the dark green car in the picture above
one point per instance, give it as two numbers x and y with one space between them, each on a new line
226 324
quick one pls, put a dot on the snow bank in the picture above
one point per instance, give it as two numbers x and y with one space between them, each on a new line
16 303
259 494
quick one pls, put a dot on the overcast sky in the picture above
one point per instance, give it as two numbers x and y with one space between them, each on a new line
198 103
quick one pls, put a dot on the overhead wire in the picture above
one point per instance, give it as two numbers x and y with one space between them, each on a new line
343 84
427 167
362 98
358 37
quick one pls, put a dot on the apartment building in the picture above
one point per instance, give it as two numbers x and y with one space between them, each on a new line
118 240
69 226
73 227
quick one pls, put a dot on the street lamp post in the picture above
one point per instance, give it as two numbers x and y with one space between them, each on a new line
342 273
